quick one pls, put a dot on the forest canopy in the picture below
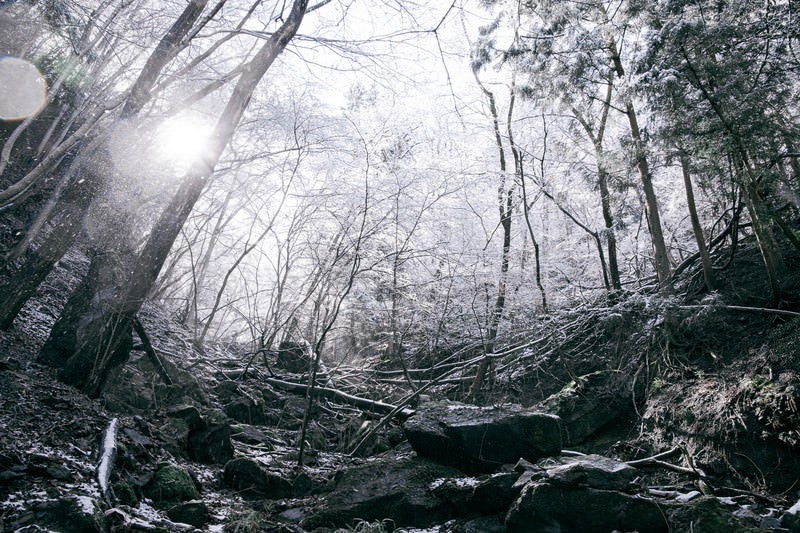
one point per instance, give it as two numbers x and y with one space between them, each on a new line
386 181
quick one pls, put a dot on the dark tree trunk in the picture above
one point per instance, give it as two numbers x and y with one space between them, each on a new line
705 257
660 254
20 277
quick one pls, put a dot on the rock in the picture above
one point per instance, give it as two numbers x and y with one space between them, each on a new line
706 514
250 435
495 493
78 514
400 490
292 357
125 493
193 512
485 524
246 411
594 471
189 414
791 518
170 485
588 404
480 439
212 444
545 507
251 479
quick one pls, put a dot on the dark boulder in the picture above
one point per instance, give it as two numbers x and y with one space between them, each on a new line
73 513
250 478
206 437
212 444
593 471
292 357
398 490
545 507
589 404
170 486
791 518
708 515
480 439
194 513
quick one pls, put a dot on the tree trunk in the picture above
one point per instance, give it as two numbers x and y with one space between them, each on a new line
705 257
767 244
27 272
20 277
608 220
505 204
103 339
660 254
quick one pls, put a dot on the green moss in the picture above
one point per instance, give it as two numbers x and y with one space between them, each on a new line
124 493
170 485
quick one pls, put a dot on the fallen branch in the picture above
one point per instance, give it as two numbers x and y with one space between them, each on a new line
334 394
655 461
648 460
147 346
744 308
410 397
108 453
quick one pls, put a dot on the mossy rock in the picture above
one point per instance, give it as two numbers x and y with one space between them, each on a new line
78 514
125 493
170 485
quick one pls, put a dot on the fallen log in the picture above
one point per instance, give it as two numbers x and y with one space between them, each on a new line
334 394
108 453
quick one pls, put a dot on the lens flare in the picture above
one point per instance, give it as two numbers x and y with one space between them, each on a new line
182 140
23 90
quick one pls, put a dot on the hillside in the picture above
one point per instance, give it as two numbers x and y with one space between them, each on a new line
711 407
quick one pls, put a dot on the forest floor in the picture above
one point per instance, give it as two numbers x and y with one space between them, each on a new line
715 377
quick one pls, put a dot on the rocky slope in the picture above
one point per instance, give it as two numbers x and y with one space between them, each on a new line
621 423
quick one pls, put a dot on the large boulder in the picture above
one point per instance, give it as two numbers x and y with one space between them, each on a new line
546 507
73 513
211 444
170 486
194 512
480 439
206 437
593 471
791 518
708 514
589 404
292 357
251 478
399 490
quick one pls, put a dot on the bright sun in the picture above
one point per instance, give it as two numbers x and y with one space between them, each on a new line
181 140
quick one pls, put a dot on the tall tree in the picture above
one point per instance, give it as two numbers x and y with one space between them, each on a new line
721 74
101 336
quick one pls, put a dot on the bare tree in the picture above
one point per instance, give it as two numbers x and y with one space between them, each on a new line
102 345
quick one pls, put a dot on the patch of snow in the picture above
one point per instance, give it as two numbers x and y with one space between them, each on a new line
87 504
147 511
436 483
461 482
13 502
466 482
